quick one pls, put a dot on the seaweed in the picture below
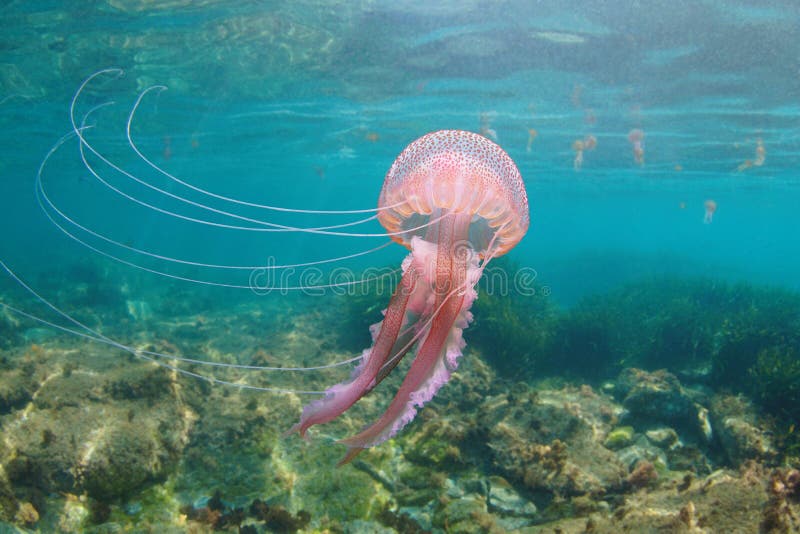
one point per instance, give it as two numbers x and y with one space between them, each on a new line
775 381
756 320
511 328
362 306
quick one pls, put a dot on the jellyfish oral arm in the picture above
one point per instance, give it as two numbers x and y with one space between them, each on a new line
430 308
451 294
340 397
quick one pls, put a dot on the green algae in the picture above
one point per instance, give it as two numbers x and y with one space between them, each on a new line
619 437
339 494
512 330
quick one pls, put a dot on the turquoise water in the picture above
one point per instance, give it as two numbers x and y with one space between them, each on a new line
276 104
305 105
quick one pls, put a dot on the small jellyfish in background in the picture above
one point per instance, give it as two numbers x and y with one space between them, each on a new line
711 207
761 153
531 136
167 152
678 167
486 129
372 137
578 147
758 161
577 96
636 138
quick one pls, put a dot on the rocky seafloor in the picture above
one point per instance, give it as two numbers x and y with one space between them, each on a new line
95 440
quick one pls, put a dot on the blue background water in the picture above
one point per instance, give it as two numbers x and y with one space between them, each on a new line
276 103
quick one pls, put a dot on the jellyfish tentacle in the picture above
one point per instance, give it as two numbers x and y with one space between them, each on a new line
91 334
452 285
43 199
340 397
271 227
217 196
266 226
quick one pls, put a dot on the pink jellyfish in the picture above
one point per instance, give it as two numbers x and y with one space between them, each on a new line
711 207
578 147
454 198
636 138
761 153
471 194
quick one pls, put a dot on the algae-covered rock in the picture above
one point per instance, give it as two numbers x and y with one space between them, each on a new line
513 509
550 445
642 451
76 438
468 515
15 391
740 434
663 437
122 460
658 397
621 436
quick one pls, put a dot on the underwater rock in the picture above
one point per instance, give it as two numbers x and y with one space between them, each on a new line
15 391
642 475
662 437
139 310
121 460
468 515
721 502
277 518
740 434
26 514
60 391
743 441
514 510
781 512
688 457
439 442
76 437
642 451
550 443
404 521
619 437
74 515
658 397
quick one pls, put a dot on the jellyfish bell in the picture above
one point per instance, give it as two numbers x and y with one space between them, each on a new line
453 198
636 136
